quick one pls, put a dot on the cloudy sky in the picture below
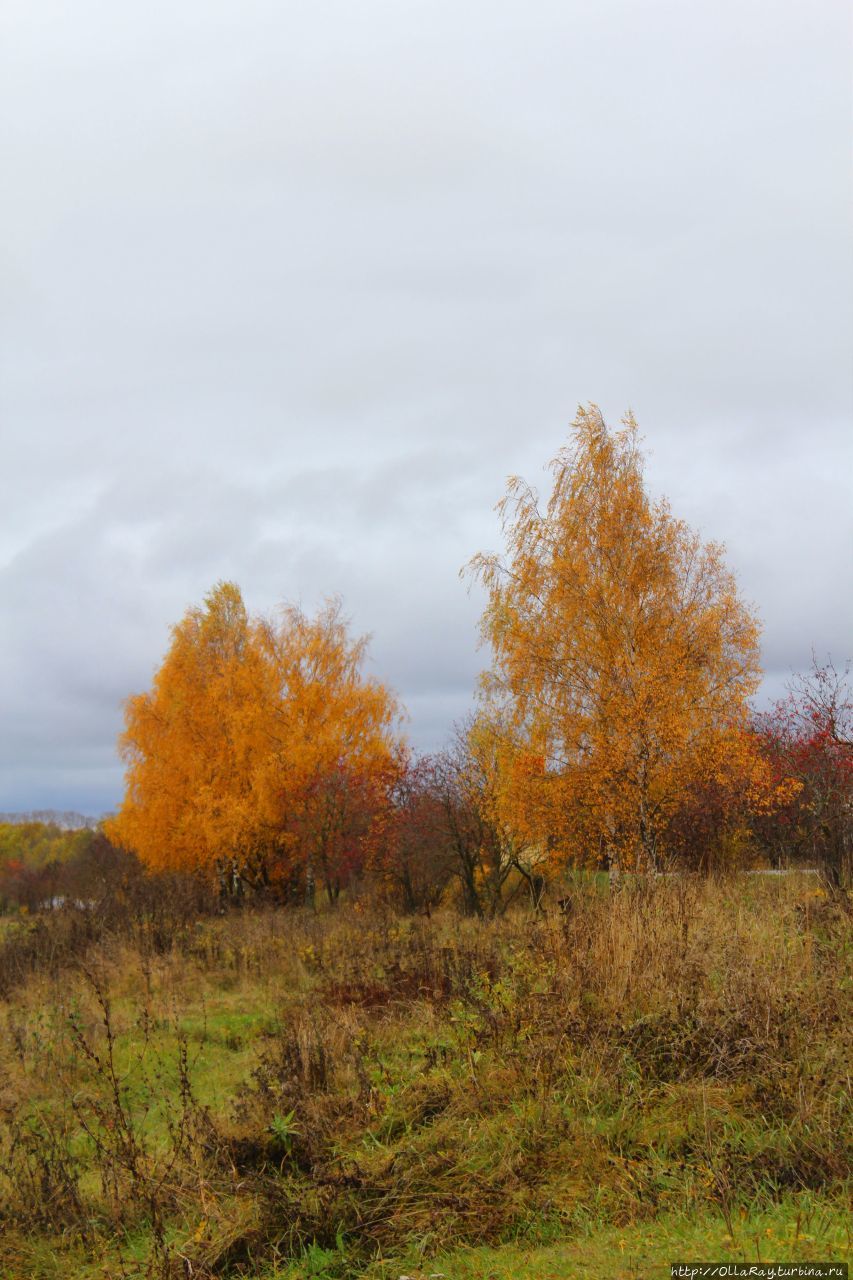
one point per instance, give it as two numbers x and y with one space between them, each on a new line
289 287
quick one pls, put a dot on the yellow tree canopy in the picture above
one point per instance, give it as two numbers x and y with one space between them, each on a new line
623 656
230 753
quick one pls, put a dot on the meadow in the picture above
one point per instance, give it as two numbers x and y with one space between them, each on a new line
626 1078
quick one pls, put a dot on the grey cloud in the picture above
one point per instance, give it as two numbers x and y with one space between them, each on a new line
288 290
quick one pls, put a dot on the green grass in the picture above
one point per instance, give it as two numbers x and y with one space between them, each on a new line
645 1250
798 1230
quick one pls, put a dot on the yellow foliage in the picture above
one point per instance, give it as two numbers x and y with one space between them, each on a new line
255 736
623 656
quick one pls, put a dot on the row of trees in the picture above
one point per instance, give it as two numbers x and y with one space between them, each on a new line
614 726
436 836
792 807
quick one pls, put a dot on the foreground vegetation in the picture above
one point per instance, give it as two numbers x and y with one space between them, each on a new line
654 1072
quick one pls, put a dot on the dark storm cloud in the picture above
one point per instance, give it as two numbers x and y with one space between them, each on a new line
289 289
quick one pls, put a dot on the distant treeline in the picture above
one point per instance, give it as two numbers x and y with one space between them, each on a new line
40 864
65 820
36 844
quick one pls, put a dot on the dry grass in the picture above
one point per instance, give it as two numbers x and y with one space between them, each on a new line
237 1091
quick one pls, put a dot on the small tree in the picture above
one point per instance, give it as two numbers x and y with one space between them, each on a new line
808 738
415 862
491 859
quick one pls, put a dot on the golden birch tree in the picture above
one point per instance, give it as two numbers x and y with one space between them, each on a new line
262 752
623 656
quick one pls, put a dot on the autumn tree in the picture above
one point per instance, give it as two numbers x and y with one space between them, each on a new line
467 832
451 829
807 739
334 750
499 784
723 812
255 751
186 796
416 861
623 656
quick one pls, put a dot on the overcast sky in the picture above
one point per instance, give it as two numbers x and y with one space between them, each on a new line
289 287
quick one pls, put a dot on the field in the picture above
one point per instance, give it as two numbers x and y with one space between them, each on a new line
653 1074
